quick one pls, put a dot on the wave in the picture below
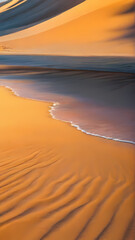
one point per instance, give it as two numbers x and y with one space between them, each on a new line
53 107
45 62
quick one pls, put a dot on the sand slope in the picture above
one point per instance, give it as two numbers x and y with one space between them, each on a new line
58 183
95 33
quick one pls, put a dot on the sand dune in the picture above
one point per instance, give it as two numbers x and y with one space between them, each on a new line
96 33
17 15
58 183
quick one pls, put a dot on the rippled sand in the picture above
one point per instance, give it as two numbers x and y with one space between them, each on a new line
58 183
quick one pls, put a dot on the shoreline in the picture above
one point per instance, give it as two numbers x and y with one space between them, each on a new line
54 177
52 108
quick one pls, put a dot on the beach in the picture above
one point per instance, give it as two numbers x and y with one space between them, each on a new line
94 94
59 183
67 120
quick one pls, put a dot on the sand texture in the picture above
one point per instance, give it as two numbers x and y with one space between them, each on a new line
57 183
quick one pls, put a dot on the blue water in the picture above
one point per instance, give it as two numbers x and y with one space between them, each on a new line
110 64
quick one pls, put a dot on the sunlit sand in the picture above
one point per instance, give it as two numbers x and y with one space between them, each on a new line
58 183
93 27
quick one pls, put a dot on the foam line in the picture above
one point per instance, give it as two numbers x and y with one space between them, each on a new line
53 107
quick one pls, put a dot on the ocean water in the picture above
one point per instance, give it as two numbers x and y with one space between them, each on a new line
96 95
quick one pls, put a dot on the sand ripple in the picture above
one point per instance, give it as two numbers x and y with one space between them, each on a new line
60 183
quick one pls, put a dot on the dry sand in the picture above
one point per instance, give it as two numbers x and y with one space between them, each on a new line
59 183
95 33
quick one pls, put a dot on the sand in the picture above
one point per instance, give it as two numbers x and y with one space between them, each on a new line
100 32
59 183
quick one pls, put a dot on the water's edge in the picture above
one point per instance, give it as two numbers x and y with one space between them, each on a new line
53 107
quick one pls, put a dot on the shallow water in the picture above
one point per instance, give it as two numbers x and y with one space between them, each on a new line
99 103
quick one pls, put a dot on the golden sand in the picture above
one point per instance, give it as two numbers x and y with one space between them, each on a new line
95 33
57 183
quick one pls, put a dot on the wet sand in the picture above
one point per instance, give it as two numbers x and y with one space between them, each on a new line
100 103
59 183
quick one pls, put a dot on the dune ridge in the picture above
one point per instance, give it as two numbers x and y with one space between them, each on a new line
58 183
98 28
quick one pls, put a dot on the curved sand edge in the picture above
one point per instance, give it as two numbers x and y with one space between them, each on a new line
52 107
54 178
